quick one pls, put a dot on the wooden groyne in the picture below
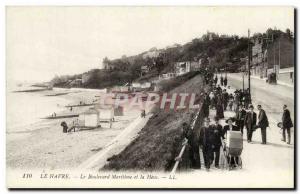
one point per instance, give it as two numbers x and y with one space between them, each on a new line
61 116
33 90
78 105
58 94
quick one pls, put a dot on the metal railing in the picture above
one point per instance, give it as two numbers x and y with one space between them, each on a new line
185 143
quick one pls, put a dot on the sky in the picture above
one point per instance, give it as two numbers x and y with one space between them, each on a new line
42 42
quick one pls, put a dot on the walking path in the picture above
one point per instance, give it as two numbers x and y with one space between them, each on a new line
270 165
114 147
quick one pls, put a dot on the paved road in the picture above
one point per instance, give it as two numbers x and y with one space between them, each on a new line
271 97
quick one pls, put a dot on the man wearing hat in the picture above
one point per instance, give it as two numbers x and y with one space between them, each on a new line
287 124
263 123
206 104
240 116
225 81
222 81
215 138
250 123
225 97
216 80
205 142
219 106
192 145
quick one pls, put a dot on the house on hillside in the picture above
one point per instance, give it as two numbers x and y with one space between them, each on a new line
258 65
110 66
166 76
188 66
182 67
141 86
276 57
120 89
280 57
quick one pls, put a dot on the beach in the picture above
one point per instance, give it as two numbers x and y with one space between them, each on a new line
43 145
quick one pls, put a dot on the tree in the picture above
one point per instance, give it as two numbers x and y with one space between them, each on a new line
159 63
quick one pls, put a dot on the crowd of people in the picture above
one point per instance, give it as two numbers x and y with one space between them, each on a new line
213 133
209 141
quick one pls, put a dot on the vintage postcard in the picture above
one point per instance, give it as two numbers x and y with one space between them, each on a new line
150 97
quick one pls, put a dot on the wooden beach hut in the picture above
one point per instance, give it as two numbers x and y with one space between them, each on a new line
89 118
106 114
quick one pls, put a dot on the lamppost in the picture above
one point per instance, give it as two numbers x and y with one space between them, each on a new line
243 73
226 70
249 53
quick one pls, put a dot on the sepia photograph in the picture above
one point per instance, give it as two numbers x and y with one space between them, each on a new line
150 97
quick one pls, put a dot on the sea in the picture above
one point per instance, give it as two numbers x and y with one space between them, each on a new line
24 109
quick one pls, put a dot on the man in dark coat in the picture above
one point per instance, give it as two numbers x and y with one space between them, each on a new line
219 106
206 104
222 81
263 123
225 81
250 123
205 143
236 101
193 146
215 138
287 124
216 80
218 89
240 118
225 97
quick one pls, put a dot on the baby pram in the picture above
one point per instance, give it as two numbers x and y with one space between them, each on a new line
232 150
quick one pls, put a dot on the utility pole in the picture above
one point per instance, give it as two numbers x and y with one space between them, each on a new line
277 76
267 39
249 53
243 81
243 75
226 71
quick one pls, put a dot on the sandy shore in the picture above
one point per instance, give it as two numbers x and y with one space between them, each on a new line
46 147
